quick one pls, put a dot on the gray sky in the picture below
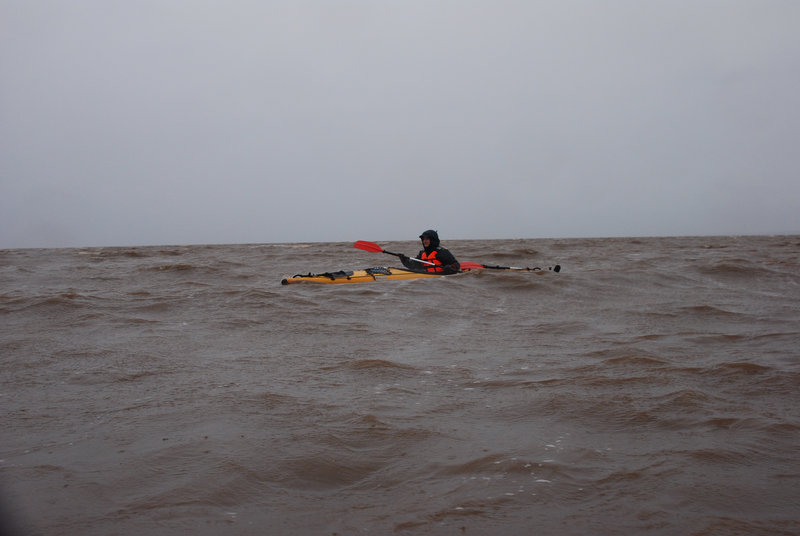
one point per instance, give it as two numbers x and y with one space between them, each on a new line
195 122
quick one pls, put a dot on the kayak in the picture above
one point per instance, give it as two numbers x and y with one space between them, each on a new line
358 276
384 272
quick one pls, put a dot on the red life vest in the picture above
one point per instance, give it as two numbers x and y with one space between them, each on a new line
431 257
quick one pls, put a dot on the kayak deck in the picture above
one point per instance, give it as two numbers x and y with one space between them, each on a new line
358 276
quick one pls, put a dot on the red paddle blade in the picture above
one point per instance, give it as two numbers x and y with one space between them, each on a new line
470 265
368 246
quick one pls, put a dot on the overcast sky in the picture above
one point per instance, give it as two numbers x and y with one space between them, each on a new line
194 122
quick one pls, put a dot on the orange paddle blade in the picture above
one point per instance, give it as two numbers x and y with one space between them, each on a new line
368 246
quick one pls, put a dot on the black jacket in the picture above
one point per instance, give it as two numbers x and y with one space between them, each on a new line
448 260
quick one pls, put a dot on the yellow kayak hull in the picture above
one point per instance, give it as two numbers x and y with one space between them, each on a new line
357 276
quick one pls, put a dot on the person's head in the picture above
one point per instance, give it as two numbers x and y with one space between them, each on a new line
432 238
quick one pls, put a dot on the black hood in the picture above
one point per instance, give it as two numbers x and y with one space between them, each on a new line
433 235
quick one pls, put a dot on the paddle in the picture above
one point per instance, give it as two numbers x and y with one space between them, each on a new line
466 265
375 248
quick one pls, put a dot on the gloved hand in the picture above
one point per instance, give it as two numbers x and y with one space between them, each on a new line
403 258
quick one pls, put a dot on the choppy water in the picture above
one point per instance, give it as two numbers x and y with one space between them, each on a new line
652 387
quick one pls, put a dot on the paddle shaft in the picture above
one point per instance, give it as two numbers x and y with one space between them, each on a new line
556 268
410 258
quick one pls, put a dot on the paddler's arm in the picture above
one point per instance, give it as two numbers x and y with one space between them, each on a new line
415 264
408 263
448 260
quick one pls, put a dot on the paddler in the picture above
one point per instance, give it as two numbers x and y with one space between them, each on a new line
443 261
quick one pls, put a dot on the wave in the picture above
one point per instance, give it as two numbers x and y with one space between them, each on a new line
736 269
513 253
739 369
371 365
733 525
66 300
638 360
181 267
707 310
321 471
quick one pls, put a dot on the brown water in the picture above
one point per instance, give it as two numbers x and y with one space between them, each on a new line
652 387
